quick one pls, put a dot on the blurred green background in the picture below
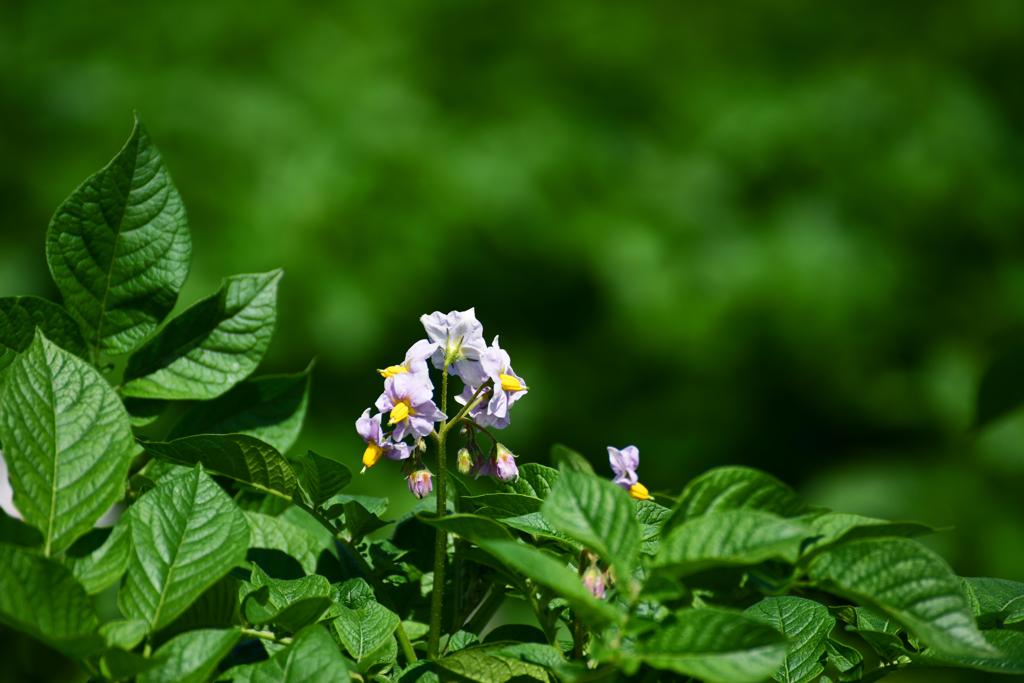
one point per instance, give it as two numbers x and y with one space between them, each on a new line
787 235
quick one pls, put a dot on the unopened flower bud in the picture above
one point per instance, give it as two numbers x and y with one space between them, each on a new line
505 464
593 579
465 462
420 483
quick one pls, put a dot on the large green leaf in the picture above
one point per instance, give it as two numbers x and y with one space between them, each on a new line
996 601
568 459
313 657
191 657
652 518
507 504
473 528
105 565
1010 660
19 318
730 537
833 527
67 442
320 478
243 458
598 514
42 598
732 488
186 534
491 664
806 625
550 572
211 346
269 408
716 646
119 247
362 624
909 583
290 604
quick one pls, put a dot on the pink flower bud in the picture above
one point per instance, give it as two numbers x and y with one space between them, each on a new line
420 483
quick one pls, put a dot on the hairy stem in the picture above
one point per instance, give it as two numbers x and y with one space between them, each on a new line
265 635
441 536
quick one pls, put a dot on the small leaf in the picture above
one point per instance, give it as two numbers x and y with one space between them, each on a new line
243 458
211 346
598 514
67 442
106 565
119 247
846 660
997 601
533 524
730 538
489 664
835 527
473 528
545 570
186 534
566 458
908 582
288 604
313 657
362 624
732 488
19 318
509 504
321 478
534 480
715 645
806 625
276 533
42 598
124 633
269 408
191 657
359 521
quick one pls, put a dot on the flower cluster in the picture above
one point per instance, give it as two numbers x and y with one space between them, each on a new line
454 345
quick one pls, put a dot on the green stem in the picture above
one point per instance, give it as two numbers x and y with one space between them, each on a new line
364 567
441 536
266 635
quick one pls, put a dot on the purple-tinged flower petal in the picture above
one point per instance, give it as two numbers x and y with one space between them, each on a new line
505 464
368 427
397 450
420 483
459 336
624 463
593 579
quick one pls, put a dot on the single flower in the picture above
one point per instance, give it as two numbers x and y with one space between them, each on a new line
408 399
505 464
460 342
378 445
624 463
420 483
415 360
506 388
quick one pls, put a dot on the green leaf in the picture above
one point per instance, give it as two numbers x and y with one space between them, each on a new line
144 411
359 521
67 442
321 478
566 458
730 538
473 528
489 664
289 604
734 488
652 518
14 531
909 583
313 657
534 480
1010 660
716 646
243 458
533 524
186 534
509 504
362 624
996 601
550 572
124 633
211 346
191 657
848 661
276 533
835 527
598 514
269 408
19 318
42 598
806 625
999 391
119 247
107 564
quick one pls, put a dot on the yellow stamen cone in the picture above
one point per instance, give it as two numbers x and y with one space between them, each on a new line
399 413
371 455
392 370
510 383
639 491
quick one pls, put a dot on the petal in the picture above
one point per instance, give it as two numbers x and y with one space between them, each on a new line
436 325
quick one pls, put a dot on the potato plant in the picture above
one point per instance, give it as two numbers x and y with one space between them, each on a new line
215 552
